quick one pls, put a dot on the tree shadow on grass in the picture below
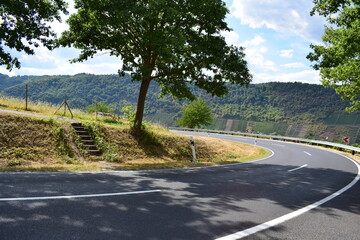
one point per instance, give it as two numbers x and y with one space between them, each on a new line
148 141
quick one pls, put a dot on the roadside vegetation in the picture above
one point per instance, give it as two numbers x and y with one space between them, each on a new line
29 143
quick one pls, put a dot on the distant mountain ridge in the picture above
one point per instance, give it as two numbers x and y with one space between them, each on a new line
267 102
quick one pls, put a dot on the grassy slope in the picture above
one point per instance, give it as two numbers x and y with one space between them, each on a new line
33 144
29 143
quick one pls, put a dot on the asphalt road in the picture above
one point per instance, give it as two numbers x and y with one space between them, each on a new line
201 203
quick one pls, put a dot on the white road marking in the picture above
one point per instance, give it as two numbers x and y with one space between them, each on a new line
76 196
305 165
291 215
278 145
307 153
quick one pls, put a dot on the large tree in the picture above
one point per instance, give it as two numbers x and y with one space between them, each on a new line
175 43
338 59
24 24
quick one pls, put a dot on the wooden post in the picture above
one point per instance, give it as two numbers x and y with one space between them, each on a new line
65 103
96 109
26 97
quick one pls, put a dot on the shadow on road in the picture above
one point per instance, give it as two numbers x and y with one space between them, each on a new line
193 203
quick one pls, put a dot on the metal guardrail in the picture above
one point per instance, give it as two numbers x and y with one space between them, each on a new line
274 137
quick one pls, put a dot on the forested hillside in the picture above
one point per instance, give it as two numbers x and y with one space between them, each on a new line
277 102
6 81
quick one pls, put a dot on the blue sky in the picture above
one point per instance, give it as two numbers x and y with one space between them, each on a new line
275 33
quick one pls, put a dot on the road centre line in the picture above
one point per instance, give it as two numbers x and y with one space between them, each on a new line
307 153
291 215
291 170
77 196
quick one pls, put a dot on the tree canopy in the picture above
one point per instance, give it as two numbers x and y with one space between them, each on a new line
338 59
24 25
175 43
196 114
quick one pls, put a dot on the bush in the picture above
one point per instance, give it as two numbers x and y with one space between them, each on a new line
196 114
99 107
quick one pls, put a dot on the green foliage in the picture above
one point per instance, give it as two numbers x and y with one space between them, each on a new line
6 81
349 119
24 24
338 59
99 106
196 114
61 139
169 42
13 163
129 113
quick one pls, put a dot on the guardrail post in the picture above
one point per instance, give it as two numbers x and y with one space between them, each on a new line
192 145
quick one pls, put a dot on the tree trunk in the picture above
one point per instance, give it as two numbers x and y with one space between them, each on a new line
141 104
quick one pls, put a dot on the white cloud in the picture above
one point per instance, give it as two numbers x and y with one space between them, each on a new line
72 69
60 27
255 42
56 62
287 53
42 59
6 72
294 65
231 37
306 76
255 50
286 17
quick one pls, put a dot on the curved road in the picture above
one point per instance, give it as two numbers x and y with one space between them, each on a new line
225 202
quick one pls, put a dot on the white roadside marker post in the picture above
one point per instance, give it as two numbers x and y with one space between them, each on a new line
192 144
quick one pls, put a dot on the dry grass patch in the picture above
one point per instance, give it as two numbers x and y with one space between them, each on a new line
27 142
24 140
49 109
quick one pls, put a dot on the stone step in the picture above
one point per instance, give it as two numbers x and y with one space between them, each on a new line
79 128
83 133
90 147
94 152
86 139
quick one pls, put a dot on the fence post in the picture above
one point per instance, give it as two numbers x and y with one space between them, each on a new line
26 97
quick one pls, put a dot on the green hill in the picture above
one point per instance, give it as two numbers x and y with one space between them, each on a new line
268 102
6 81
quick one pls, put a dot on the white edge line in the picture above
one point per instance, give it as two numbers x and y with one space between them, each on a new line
291 170
286 217
76 196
